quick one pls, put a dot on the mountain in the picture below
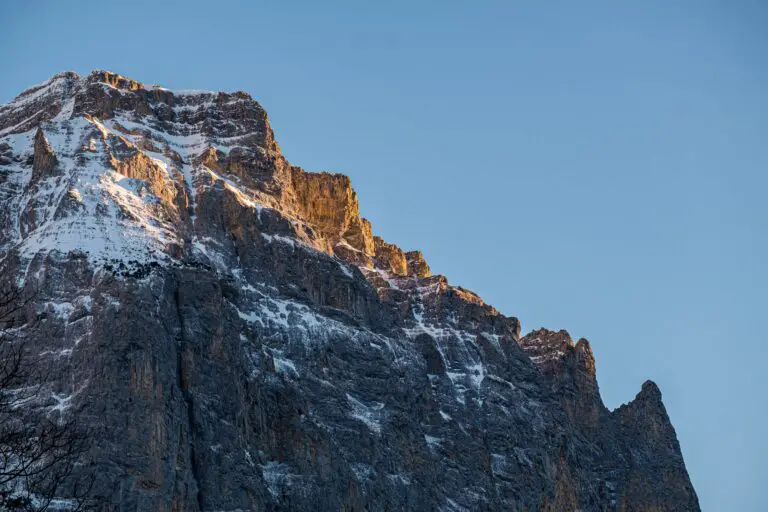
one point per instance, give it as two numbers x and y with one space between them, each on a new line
240 340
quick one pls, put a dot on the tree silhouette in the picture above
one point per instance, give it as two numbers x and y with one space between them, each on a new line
41 446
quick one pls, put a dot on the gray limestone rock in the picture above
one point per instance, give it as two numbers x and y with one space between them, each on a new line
239 340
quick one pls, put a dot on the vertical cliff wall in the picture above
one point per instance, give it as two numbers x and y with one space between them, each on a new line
242 341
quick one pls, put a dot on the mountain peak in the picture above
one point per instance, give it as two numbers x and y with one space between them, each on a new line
114 80
650 391
234 314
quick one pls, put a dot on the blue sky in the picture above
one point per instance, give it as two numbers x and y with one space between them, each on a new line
593 166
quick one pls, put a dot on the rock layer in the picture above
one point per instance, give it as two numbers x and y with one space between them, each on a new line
244 342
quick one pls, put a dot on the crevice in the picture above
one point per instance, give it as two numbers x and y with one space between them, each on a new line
186 395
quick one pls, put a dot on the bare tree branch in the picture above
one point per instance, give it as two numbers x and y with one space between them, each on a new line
40 448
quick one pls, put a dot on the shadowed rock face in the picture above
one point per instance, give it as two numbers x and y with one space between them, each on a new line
241 341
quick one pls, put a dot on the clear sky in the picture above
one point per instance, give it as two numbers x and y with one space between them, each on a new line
595 166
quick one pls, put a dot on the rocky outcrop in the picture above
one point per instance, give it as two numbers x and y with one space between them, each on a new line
141 167
242 341
43 158
656 460
417 265
325 200
569 369
328 203
635 433
390 257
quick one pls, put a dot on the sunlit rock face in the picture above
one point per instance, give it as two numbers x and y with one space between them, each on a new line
241 340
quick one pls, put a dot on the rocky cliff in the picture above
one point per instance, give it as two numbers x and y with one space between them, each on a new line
242 341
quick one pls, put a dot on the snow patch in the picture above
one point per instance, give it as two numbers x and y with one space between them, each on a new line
369 415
